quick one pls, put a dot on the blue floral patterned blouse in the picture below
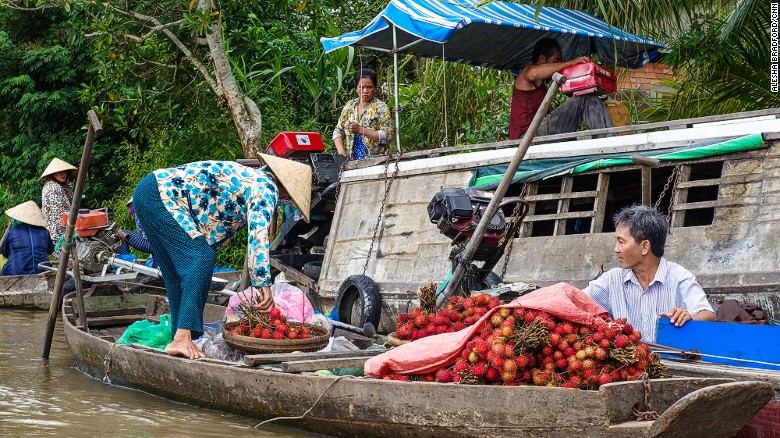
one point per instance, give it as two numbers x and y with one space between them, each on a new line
213 199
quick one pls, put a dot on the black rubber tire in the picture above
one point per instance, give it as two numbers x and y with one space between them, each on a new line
312 269
360 291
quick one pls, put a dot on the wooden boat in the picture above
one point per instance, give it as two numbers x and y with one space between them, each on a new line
26 291
348 406
724 227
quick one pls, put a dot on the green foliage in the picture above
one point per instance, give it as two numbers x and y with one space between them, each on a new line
477 103
722 66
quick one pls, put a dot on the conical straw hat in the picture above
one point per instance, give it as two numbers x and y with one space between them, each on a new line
296 179
28 213
56 165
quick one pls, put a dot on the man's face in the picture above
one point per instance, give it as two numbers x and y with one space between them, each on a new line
555 57
629 251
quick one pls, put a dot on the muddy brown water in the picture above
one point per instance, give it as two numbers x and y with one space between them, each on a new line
40 398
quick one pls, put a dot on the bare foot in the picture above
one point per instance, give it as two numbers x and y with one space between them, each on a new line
182 345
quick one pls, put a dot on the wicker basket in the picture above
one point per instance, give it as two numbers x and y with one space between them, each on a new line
392 340
318 340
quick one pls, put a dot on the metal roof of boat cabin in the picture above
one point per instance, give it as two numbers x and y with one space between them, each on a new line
499 34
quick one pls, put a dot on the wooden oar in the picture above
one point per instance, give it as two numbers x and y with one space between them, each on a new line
498 196
54 307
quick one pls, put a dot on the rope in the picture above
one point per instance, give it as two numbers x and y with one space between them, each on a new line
61 242
107 362
299 417
649 414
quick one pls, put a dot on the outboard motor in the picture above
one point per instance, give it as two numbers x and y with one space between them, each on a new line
457 212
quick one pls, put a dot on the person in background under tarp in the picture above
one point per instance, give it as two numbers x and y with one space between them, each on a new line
134 239
189 211
56 196
529 90
365 122
27 241
646 285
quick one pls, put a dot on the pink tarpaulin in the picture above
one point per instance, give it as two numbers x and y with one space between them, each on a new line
431 353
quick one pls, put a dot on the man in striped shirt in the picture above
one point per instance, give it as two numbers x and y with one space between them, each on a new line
646 285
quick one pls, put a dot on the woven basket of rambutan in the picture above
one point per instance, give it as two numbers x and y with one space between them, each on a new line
271 332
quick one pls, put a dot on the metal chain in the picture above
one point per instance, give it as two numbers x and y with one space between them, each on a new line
341 171
388 185
515 217
672 181
649 414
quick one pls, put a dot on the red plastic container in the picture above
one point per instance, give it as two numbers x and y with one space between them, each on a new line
88 224
295 144
588 78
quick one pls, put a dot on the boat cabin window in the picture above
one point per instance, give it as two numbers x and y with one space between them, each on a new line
586 203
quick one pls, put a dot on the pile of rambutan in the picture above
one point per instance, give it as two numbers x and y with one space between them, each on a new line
273 325
458 314
518 346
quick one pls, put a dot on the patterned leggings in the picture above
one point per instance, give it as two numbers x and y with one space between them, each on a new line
186 264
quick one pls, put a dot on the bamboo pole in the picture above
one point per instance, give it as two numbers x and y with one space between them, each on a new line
498 196
54 307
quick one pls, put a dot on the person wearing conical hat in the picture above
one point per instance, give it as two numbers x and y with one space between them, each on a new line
26 242
189 211
56 196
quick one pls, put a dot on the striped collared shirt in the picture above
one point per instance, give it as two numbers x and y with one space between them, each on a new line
618 291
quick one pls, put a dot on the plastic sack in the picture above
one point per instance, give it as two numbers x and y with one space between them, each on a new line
431 353
148 333
214 346
290 300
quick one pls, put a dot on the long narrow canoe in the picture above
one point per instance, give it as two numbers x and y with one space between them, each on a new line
348 406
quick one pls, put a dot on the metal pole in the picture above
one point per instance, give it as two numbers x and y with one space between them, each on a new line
395 92
498 196
152 272
54 307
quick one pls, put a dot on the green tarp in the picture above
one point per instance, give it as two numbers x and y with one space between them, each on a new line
488 178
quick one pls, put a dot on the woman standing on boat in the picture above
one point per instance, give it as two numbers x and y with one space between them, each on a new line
56 196
364 123
27 242
189 211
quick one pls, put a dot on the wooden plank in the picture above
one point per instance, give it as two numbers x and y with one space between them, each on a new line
300 366
600 203
680 197
726 180
558 196
295 275
94 304
527 227
107 321
557 216
262 359
647 185
711 204
117 312
567 182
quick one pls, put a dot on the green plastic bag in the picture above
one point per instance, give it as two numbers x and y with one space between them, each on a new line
148 333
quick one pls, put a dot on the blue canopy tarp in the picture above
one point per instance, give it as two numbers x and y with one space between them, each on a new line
500 35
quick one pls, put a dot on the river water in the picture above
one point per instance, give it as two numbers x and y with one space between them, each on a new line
54 398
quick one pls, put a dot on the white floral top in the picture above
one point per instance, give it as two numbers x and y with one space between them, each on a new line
213 199
55 201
